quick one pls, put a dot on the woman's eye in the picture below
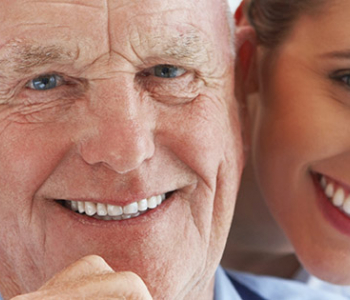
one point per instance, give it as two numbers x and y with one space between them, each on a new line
166 71
45 82
345 79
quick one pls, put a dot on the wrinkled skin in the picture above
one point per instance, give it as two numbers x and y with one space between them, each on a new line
113 132
301 130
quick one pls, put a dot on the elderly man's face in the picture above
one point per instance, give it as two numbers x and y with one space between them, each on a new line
103 104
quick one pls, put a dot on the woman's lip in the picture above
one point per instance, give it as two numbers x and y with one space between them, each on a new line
337 218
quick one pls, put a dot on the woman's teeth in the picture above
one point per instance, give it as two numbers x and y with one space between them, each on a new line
336 194
109 212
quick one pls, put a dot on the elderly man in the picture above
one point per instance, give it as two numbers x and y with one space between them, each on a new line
118 135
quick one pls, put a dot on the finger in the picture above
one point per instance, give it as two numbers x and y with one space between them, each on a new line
88 265
123 285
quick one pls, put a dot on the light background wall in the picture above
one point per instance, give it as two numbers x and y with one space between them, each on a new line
234 4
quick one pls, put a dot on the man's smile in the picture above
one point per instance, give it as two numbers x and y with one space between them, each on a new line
110 212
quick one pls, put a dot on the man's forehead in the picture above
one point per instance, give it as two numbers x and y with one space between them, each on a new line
91 15
148 6
57 31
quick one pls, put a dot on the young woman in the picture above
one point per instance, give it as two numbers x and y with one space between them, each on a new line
299 82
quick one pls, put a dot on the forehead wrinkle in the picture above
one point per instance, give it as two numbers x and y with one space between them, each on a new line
173 39
67 2
37 24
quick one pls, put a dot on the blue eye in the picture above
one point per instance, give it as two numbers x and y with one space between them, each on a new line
45 82
167 71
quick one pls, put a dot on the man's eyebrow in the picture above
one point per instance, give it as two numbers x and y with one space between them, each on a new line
190 48
22 58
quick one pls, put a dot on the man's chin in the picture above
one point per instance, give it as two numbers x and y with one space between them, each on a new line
152 245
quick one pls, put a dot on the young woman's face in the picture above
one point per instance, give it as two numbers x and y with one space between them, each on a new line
302 134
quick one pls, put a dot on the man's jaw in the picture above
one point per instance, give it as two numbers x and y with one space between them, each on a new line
110 212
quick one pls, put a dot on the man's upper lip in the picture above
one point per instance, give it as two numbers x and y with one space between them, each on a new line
121 197
113 200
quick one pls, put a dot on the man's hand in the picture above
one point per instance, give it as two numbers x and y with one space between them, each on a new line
91 278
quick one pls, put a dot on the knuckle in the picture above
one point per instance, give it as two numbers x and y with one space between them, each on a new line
133 280
31 296
131 276
94 261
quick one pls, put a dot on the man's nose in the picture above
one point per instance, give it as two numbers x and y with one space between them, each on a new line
121 137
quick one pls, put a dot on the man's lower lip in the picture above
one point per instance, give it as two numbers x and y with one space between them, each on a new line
338 219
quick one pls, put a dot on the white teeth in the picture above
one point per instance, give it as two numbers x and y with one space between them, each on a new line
81 207
159 200
90 208
142 205
323 182
74 205
114 210
130 209
101 209
338 198
336 194
152 202
346 206
107 212
330 190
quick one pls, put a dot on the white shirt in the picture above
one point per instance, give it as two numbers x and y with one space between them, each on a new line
269 288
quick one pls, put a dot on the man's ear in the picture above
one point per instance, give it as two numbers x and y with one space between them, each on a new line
245 46
246 59
239 14
246 77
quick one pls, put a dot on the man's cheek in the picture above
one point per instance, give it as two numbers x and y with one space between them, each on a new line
8 115
28 154
205 136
